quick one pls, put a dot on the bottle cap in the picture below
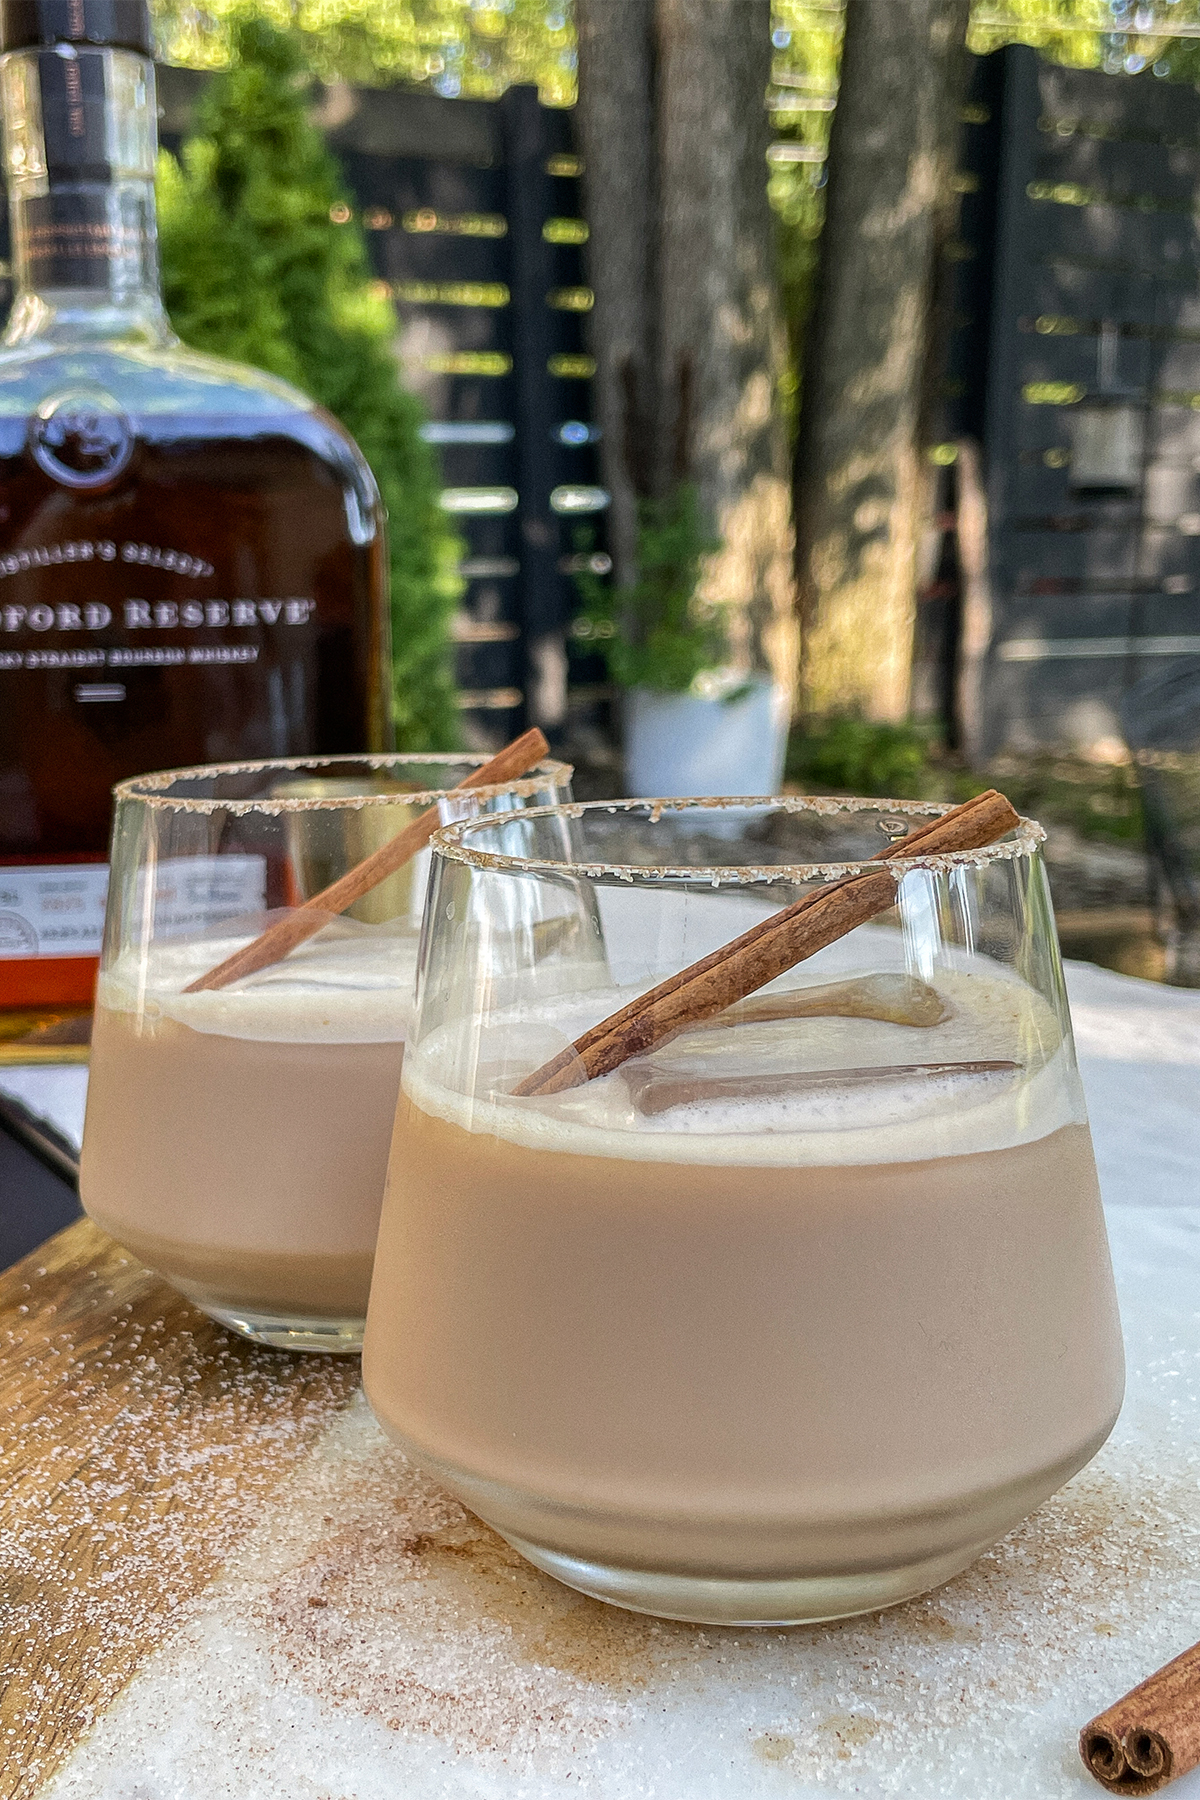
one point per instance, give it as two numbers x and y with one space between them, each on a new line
115 24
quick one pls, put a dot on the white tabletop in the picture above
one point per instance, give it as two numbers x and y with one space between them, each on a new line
441 1668
54 1093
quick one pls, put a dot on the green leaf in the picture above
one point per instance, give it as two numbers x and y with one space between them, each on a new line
655 633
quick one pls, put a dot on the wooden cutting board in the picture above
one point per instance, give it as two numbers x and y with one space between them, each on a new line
139 1444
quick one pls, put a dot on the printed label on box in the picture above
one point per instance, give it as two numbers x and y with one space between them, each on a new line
52 909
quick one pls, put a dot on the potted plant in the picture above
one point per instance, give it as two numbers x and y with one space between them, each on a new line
694 723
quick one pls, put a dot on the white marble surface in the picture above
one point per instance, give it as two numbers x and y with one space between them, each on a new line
1139 1053
54 1093
435 1666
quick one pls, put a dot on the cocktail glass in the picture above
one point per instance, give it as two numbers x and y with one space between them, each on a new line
236 1140
793 1316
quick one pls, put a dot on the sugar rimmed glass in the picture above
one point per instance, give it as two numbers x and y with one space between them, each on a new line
794 1316
236 1140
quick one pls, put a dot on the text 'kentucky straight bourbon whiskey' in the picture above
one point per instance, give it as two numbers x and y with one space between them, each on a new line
192 558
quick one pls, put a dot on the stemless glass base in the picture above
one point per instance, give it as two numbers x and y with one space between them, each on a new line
338 1337
758 1601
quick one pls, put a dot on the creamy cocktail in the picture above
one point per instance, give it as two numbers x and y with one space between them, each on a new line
237 1141
255 992
787 1319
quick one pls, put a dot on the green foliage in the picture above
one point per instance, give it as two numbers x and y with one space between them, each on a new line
1090 34
655 634
851 755
1096 800
477 48
255 268
456 46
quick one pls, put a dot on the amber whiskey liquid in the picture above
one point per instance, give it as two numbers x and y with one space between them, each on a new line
192 560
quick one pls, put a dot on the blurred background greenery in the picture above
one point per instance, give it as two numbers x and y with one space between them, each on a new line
255 190
469 49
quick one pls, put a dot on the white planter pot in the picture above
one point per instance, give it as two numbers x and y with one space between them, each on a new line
679 744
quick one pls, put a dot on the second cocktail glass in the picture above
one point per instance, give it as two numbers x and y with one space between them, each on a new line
237 1139
791 1315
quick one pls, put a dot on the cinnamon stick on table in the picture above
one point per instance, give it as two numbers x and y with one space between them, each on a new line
1150 1736
517 758
759 955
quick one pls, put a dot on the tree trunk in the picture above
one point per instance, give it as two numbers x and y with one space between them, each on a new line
721 341
686 329
620 179
858 479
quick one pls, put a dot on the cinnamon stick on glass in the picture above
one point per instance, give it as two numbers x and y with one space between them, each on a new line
1150 1736
759 955
517 758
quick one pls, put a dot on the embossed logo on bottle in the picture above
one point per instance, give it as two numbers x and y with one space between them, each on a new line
82 438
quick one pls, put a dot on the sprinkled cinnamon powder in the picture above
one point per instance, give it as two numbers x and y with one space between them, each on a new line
426 1620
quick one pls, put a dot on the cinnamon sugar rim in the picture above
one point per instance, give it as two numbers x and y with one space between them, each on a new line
152 790
450 841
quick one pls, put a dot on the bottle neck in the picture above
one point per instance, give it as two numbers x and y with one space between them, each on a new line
80 139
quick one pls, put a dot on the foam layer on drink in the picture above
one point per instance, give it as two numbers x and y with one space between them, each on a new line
350 984
996 1071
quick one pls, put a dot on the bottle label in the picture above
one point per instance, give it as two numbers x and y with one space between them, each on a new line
82 240
51 909
57 909
84 158
78 634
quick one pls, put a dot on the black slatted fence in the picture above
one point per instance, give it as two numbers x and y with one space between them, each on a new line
1076 359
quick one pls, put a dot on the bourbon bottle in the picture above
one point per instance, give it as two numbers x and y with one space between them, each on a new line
192 558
